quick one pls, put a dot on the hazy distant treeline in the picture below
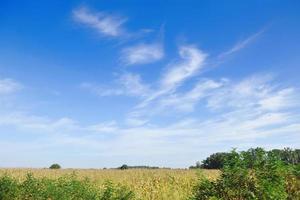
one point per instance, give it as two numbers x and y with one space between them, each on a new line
137 167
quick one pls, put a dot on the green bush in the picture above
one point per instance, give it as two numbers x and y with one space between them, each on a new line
64 188
254 174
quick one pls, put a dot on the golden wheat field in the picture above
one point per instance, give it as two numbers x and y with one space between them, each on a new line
158 184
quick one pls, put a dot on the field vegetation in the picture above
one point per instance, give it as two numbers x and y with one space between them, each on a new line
144 183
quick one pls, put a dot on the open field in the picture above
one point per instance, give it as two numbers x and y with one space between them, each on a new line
146 183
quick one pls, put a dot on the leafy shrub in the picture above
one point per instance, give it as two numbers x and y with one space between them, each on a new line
64 188
254 174
55 166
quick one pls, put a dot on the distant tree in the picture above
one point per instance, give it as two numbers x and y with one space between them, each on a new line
123 167
55 166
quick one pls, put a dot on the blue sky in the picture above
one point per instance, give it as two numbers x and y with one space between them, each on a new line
164 83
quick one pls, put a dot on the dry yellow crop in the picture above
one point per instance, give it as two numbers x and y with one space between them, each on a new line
148 184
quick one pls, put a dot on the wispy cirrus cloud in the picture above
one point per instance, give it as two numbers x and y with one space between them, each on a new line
187 101
105 23
38 124
104 127
254 91
142 53
191 61
127 84
101 90
162 93
284 98
8 86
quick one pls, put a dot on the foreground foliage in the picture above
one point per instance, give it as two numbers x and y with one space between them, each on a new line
254 174
63 188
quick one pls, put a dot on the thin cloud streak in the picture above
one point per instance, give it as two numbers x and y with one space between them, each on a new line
241 44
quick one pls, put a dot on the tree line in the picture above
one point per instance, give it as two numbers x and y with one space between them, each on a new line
217 160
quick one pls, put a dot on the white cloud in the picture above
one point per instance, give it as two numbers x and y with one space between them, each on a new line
104 23
8 86
142 54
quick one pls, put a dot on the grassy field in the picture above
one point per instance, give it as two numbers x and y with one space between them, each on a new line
146 183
